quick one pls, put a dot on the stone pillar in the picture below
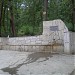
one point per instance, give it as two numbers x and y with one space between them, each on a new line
67 42
72 42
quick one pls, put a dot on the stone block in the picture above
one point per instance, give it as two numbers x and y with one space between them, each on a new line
0 39
21 48
12 48
60 49
30 48
0 47
38 42
34 47
33 43
5 47
41 48
28 42
26 48
45 42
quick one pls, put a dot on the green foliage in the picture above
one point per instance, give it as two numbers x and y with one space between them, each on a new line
61 9
70 26
28 15
29 18
29 30
25 30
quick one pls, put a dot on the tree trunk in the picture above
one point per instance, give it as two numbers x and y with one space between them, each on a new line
45 10
73 14
1 10
12 19
3 18
0 22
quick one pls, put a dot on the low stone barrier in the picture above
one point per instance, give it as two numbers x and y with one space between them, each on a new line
52 39
31 44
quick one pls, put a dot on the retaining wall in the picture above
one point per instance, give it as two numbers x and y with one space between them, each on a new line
34 43
52 39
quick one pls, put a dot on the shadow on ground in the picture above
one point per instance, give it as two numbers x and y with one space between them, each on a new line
73 72
30 59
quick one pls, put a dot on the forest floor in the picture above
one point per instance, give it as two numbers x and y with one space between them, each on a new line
30 63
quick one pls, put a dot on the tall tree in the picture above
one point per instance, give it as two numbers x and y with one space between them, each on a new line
0 18
3 16
1 10
12 17
45 9
73 12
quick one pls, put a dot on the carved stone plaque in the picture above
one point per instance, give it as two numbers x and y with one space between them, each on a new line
54 28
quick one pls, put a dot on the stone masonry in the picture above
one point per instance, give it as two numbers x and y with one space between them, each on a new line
52 39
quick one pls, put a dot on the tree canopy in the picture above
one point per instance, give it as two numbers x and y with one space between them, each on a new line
25 17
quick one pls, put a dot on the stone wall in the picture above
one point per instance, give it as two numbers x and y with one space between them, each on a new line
69 42
34 43
52 39
57 34
72 42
